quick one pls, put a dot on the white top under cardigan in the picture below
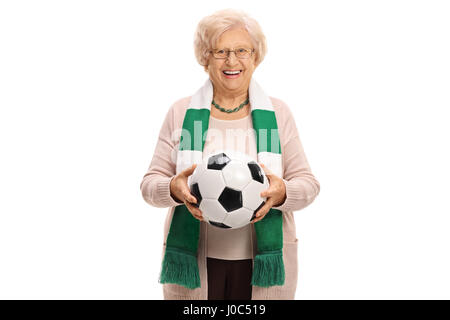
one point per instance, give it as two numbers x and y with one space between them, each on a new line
236 135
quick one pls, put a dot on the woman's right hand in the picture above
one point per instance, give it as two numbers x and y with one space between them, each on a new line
179 190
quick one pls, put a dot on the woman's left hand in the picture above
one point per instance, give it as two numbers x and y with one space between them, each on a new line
276 194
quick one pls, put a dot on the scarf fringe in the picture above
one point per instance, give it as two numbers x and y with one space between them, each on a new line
268 269
180 268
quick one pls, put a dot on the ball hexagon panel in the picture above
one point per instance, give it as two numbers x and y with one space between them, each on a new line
211 184
212 211
236 175
230 199
218 161
251 194
238 218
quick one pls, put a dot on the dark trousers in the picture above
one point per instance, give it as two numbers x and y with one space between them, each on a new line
229 279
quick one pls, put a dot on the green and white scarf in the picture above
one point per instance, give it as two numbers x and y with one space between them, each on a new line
180 259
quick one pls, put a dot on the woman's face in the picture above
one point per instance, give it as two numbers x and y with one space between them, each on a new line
232 39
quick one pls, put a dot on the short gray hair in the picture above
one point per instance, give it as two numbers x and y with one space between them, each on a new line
210 28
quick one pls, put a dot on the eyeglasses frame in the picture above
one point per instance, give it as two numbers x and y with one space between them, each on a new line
234 51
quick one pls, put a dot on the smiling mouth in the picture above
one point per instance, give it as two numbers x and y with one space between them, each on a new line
231 74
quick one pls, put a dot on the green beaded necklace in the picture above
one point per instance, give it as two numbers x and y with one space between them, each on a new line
230 110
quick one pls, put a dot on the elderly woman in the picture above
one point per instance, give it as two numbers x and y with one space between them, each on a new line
201 261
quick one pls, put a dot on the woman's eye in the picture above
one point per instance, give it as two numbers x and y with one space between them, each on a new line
241 50
220 51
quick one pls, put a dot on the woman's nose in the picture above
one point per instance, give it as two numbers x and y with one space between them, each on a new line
231 59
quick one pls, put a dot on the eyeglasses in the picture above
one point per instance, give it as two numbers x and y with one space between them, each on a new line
241 53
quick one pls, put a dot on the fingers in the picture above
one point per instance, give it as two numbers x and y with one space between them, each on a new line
187 172
262 212
196 213
258 219
191 203
189 197
267 172
266 193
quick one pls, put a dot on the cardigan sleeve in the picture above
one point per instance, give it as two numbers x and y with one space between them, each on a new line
155 185
302 186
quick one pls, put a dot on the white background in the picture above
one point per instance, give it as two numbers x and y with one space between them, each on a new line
85 86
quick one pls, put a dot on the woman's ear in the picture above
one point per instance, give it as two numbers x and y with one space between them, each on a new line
254 61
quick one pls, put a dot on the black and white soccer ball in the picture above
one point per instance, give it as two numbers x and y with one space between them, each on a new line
228 188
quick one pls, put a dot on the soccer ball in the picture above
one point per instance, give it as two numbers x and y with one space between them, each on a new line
227 188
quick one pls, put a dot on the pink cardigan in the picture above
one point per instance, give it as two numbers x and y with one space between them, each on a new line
301 189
